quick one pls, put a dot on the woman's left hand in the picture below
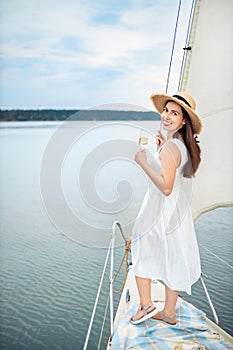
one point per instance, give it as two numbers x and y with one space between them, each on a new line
140 157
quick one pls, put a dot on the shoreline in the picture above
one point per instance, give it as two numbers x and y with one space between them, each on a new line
79 115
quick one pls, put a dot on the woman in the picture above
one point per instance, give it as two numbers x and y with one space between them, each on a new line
164 244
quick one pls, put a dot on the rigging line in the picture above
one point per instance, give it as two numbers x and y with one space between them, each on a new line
186 42
216 256
104 319
173 46
97 298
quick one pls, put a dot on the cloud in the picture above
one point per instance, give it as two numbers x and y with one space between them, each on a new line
86 47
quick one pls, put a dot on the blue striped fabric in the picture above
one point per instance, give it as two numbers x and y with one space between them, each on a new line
190 332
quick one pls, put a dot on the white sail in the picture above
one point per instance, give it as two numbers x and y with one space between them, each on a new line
207 76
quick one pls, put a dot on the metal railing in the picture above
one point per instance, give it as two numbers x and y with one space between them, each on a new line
116 225
111 278
209 300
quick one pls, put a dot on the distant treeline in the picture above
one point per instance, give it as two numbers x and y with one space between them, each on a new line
59 115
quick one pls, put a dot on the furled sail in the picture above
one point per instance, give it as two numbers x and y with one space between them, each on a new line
207 75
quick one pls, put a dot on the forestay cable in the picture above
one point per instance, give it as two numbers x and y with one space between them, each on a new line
186 43
173 46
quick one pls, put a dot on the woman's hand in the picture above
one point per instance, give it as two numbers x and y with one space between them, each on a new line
140 157
160 139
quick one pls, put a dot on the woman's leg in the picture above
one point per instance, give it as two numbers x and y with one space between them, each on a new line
171 297
144 290
168 314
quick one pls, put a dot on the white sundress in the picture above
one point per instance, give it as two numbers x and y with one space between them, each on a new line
164 244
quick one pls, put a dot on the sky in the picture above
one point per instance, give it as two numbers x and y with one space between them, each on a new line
76 54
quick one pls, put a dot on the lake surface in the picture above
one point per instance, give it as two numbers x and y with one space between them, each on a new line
61 189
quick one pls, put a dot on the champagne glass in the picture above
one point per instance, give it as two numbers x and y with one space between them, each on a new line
143 139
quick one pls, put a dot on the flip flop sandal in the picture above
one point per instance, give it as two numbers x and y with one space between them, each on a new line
161 317
146 314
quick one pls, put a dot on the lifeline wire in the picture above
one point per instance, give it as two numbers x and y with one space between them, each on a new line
97 298
104 319
216 256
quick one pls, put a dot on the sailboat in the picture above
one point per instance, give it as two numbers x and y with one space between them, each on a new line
206 75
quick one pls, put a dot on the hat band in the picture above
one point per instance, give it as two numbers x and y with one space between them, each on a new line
182 99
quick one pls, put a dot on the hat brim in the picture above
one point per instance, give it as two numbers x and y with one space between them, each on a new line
160 100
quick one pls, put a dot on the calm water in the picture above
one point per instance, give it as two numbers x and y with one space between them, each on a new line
50 269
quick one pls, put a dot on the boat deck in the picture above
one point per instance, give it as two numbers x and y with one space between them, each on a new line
192 331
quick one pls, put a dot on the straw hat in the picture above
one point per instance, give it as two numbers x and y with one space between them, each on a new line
184 100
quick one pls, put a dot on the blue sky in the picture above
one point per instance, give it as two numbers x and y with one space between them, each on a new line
84 53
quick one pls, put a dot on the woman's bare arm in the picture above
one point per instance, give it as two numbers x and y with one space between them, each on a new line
170 159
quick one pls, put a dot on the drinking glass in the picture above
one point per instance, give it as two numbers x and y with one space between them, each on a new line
143 139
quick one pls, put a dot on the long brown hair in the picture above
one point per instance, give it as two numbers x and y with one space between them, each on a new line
194 151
